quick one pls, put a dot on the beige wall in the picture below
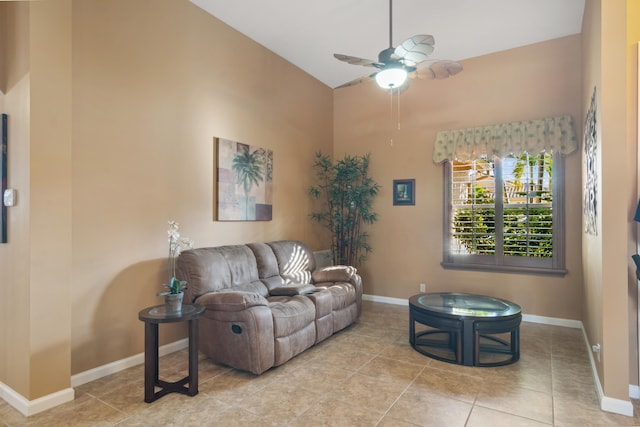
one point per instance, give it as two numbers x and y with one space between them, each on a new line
616 187
103 161
610 285
14 39
526 83
153 83
591 247
50 183
37 259
633 37
14 256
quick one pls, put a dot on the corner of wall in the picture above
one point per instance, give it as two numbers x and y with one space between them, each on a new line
31 407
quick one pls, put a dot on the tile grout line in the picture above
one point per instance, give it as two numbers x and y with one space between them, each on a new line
400 395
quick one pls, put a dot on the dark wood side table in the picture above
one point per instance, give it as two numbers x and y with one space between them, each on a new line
152 316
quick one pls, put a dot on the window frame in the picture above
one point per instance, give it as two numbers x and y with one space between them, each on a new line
555 265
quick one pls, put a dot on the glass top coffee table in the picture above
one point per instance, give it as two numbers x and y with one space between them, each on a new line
465 329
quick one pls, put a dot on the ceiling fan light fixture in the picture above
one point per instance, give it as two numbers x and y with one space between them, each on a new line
390 78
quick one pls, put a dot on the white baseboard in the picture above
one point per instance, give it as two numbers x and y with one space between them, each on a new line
555 321
634 391
386 300
525 317
617 406
609 404
121 365
31 407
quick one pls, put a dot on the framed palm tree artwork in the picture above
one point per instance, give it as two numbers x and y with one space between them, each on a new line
245 182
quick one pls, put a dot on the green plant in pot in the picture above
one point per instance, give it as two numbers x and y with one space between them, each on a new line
347 193
173 297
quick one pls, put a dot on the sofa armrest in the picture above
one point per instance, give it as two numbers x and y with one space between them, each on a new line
231 301
334 273
342 274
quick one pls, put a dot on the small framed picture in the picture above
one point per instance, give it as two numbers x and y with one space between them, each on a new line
404 192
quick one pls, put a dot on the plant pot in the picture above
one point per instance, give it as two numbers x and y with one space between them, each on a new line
173 303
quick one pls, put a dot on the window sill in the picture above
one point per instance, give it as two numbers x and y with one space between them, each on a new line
505 269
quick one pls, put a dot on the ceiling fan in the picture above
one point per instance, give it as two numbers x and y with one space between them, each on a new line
410 57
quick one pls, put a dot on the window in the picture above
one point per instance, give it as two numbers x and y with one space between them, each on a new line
505 213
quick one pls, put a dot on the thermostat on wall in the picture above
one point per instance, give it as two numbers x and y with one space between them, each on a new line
9 197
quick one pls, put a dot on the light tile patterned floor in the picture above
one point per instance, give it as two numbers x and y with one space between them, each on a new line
367 375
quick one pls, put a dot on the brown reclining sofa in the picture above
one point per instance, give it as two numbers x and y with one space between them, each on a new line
266 302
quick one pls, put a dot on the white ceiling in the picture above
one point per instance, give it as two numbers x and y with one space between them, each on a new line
308 32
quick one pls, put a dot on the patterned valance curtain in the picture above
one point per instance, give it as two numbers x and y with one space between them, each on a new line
531 136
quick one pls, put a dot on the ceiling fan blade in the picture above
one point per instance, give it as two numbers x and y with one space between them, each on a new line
363 79
353 82
357 61
414 49
443 69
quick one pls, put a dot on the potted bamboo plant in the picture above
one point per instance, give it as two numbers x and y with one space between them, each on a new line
346 192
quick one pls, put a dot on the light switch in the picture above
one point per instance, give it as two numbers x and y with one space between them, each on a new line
9 197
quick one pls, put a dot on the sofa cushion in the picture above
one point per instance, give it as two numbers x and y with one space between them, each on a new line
292 289
242 264
230 301
267 265
291 345
323 300
255 287
205 270
214 269
335 273
291 314
265 260
344 294
295 260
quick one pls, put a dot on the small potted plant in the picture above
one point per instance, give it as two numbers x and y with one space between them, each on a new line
173 297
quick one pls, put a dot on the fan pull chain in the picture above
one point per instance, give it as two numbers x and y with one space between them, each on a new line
398 108
391 116
391 113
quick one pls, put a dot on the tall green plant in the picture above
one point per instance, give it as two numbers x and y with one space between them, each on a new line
347 193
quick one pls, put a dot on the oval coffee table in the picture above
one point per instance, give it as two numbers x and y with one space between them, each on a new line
462 327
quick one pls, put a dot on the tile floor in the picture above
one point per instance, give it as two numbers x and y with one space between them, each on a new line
367 375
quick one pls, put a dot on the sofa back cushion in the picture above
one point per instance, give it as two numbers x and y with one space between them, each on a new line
295 260
222 268
267 265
